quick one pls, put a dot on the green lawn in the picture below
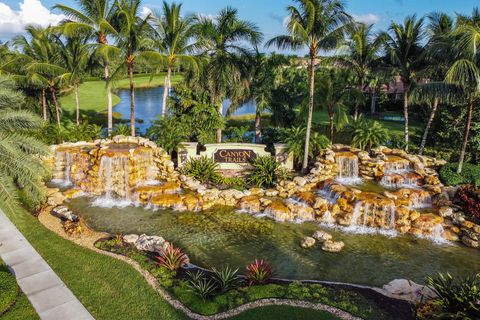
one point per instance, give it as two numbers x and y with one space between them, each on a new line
13 306
285 313
111 289
93 97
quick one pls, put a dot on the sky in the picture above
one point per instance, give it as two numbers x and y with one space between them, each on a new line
269 15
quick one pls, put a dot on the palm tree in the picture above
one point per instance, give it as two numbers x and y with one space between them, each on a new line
20 165
40 61
406 54
333 91
132 30
93 17
75 54
465 71
360 53
173 39
315 25
222 40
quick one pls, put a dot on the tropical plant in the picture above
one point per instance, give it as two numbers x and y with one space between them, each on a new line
173 37
226 278
203 169
456 298
469 199
172 258
360 54
121 130
74 53
265 171
131 41
238 134
315 25
259 272
370 134
333 90
93 17
469 175
223 40
200 284
20 166
168 133
294 138
404 46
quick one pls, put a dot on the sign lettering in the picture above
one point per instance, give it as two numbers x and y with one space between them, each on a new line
234 156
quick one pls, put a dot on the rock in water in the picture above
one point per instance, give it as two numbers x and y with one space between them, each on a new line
307 242
150 243
333 246
322 236
408 290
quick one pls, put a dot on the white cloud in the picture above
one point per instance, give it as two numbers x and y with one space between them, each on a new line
368 18
31 12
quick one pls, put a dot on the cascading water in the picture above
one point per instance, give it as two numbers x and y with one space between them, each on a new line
348 169
63 167
371 217
114 182
399 174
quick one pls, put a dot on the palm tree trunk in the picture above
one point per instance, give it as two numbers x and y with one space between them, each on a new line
310 112
373 103
109 100
429 124
258 127
219 130
55 102
166 90
44 105
357 104
330 119
405 115
77 102
465 135
132 98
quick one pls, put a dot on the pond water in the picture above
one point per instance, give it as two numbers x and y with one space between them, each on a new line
148 106
224 236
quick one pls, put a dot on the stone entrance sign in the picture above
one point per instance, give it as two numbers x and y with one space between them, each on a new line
233 156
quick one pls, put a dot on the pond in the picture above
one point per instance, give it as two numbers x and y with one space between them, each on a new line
148 106
224 236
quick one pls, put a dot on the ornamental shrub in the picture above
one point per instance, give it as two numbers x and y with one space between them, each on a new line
470 174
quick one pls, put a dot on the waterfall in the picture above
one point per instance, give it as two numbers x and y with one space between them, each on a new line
63 167
148 167
371 218
348 169
399 174
114 179
68 168
327 218
328 194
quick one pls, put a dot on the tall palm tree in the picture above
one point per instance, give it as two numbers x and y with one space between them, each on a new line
405 50
465 71
132 30
315 25
173 39
40 61
93 17
360 53
223 41
19 150
75 53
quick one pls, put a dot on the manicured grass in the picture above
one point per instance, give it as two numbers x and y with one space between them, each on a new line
108 288
13 304
285 313
93 97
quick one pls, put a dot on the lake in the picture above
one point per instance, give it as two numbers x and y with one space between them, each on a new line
148 106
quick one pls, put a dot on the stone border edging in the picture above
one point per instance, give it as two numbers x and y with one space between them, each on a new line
230 313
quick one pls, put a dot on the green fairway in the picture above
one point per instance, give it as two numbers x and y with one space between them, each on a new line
93 97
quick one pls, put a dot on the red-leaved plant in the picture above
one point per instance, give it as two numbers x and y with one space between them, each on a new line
172 258
469 200
259 272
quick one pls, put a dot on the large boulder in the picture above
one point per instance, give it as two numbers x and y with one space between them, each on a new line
322 236
408 290
250 204
333 246
307 242
64 213
151 243
278 210
55 199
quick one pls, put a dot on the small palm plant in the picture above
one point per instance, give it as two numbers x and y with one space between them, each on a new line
370 134
259 272
225 278
172 258
265 172
200 284
203 169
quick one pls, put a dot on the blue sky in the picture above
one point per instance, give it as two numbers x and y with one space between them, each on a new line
267 14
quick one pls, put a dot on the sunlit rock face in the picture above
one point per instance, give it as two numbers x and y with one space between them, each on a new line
383 190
